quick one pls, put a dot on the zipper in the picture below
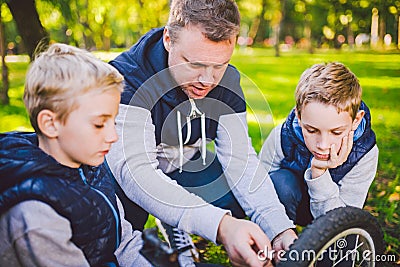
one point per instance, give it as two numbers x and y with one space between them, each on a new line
107 201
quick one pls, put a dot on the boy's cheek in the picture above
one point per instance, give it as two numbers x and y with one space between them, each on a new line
339 144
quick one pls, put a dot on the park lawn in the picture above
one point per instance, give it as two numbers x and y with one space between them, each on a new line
269 83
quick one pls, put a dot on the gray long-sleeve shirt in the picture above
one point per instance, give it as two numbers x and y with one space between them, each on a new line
138 164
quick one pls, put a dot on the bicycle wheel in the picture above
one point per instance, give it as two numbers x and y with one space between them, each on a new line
345 236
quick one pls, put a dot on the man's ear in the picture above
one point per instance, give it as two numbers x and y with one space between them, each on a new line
47 123
166 39
360 114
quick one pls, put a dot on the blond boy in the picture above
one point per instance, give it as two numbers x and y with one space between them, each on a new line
324 155
57 201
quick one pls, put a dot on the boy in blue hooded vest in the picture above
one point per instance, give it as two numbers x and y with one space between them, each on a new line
57 201
324 155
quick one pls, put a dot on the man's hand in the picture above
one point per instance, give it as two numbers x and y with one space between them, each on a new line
318 167
242 240
282 242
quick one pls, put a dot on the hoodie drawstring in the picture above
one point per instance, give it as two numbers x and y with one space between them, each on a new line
194 111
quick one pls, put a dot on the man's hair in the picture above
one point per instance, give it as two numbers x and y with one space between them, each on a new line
219 19
57 76
330 84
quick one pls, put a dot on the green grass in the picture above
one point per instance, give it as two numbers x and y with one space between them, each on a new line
269 84
14 116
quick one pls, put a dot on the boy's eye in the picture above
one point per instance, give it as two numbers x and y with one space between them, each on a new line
99 126
337 133
311 131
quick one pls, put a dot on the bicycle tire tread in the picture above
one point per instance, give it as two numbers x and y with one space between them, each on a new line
325 227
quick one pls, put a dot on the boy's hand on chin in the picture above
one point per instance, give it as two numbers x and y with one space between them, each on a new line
318 167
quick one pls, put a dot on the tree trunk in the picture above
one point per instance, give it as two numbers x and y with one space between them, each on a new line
382 29
4 99
277 32
87 32
350 36
278 27
308 35
383 10
262 24
398 31
28 23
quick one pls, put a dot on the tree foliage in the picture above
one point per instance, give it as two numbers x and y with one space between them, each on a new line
103 24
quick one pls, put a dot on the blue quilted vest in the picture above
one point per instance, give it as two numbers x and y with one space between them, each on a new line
84 196
297 156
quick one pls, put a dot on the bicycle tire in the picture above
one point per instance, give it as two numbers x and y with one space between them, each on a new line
328 229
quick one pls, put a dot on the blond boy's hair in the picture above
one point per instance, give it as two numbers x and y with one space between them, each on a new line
59 75
330 84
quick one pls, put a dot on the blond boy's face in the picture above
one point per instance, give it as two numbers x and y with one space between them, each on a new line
89 131
323 126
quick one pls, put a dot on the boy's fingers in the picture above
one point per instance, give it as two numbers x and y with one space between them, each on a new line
321 164
347 144
344 149
333 156
336 157
350 141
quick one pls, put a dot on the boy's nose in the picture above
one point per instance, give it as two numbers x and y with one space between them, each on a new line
111 135
323 143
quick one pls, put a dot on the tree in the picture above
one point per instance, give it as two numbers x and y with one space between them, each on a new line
101 24
29 26
4 99
278 25
262 23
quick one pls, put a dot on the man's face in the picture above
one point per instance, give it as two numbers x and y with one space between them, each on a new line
196 63
89 130
323 126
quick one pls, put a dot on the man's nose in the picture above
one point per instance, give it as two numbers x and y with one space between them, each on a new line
206 77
